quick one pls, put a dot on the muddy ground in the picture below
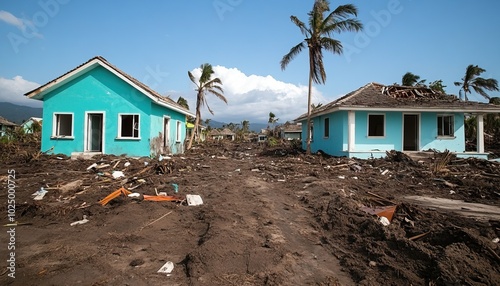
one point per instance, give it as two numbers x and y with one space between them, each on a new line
270 216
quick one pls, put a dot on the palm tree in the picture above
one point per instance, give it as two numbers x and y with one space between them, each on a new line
205 84
318 34
183 102
272 120
410 79
472 80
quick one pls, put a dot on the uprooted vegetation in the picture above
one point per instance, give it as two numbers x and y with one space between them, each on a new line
271 215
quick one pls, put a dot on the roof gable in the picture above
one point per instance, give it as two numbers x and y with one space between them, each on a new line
39 92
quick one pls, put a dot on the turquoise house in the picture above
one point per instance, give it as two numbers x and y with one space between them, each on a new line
98 109
375 118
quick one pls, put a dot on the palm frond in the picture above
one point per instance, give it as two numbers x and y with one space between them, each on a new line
291 55
348 25
332 45
206 73
192 78
301 25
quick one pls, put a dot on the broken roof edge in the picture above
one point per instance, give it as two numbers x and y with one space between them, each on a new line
40 91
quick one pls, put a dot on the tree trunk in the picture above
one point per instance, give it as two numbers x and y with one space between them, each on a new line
309 95
196 122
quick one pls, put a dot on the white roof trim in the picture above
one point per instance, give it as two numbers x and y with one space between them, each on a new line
40 92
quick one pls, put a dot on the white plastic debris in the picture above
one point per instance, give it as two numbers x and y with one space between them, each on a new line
452 192
385 221
496 240
194 200
83 221
134 195
118 174
92 166
237 170
167 268
39 194
385 172
342 177
126 164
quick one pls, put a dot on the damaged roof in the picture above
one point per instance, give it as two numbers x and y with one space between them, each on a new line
39 92
378 97
6 122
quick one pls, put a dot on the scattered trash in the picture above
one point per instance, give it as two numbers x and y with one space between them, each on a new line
59 158
496 240
356 168
419 236
237 170
92 166
410 221
194 200
385 212
134 195
355 178
160 158
385 172
156 220
384 221
102 166
118 174
83 221
167 268
372 264
71 186
341 177
161 198
255 170
176 188
114 195
126 164
452 192
39 194
146 163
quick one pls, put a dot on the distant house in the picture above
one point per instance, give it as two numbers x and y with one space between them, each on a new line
6 125
97 108
377 118
289 131
28 124
224 134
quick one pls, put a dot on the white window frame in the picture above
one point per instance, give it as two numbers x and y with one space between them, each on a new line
368 125
138 123
452 128
178 130
56 125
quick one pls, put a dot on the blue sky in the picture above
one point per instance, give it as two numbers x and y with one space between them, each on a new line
158 42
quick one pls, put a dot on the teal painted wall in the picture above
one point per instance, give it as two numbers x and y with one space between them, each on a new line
366 147
101 91
158 113
429 138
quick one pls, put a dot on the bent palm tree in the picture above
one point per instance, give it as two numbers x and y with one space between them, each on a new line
410 79
205 84
472 80
318 37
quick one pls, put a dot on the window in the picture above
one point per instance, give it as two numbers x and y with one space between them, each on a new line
63 125
445 126
129 126
327 127
178 132
376 125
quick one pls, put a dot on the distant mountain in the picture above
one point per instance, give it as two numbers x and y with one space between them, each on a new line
256 127
18 113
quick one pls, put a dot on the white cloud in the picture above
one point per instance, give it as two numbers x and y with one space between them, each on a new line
13 90
12 20
252 97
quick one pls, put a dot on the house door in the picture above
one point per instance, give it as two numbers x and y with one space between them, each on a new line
166 134
94 132
410 132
